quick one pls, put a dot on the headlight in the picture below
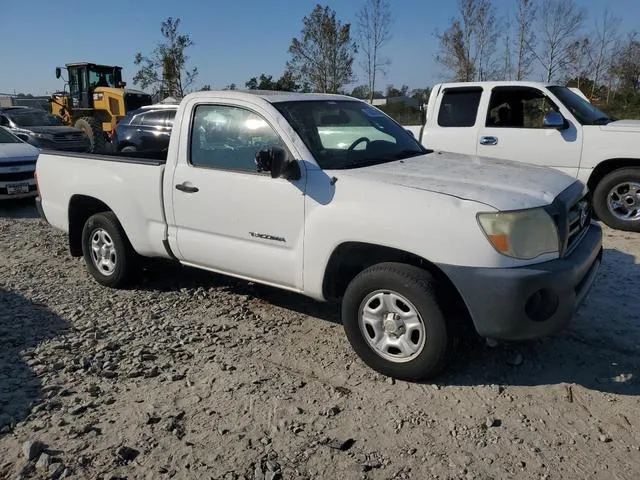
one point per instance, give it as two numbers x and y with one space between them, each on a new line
525 234
43 136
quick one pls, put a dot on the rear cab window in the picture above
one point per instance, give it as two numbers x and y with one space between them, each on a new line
459 107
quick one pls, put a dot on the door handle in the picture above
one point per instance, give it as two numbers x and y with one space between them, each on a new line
186 188
488 140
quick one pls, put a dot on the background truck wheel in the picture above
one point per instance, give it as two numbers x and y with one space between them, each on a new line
393 321
616 199
92 128
109 256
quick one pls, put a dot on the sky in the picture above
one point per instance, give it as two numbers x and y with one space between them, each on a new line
233 40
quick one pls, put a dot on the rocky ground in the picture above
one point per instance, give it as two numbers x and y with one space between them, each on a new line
193 375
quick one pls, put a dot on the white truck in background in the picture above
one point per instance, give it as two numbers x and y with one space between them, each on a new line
327 196
542 124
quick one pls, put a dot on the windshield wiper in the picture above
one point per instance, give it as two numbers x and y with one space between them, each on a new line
602 121
407 154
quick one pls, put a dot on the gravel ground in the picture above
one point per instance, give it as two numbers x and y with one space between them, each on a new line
193 375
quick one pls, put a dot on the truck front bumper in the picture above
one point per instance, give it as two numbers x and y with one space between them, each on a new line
529 302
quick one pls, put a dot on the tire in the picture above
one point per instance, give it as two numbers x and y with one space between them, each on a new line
105 229
615 182
414 286
92 128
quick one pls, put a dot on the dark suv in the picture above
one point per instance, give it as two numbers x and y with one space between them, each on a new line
146 129
43 130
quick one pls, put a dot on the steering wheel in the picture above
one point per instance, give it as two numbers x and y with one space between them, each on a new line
358 142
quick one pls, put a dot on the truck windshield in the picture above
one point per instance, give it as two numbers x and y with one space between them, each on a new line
35 119
101 77
6 137
348 134
585 112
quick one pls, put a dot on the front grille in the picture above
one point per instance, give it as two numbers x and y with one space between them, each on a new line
68 137
579 220
19 163
15 176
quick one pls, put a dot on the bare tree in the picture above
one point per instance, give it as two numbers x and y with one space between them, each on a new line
602 47
559 23
374 31
323 56
165 70
468 46
526 38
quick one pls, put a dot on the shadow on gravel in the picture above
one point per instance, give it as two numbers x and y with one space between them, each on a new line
600 350
23 324
165 276
24 208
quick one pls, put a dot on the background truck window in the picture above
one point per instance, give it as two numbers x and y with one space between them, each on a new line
517 107
459 107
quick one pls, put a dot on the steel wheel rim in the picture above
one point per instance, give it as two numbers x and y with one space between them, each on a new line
623 201
392 326
103 252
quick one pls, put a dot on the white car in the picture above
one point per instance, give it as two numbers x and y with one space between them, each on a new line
17 167
542 124
327 196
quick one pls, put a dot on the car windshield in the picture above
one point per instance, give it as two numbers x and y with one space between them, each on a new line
585 112
35 119
6 137
348 134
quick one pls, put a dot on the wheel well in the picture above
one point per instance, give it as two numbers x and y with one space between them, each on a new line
351 258
608 166
81 207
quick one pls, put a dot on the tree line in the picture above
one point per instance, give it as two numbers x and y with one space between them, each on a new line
552 40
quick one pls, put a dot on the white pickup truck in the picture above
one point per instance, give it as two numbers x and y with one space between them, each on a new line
327 196
542 124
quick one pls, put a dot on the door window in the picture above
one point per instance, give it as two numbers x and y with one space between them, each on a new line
518 107
459 107
228 138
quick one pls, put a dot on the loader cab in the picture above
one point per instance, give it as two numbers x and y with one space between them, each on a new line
84 78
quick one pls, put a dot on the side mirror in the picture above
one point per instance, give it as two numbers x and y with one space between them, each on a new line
58 72
23 137
554 120
275 160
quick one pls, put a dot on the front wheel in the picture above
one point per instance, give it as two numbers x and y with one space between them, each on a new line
109 256
393 321
616 199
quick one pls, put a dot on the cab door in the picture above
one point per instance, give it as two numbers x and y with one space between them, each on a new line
514 129
227 216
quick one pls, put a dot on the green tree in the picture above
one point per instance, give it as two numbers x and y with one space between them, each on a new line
323 56
165 69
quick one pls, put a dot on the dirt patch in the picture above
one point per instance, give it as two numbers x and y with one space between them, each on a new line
193 375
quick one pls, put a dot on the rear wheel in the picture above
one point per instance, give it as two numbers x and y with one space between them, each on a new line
109 256
92 128
393 321
616 199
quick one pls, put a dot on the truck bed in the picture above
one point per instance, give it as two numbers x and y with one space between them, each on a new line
129 184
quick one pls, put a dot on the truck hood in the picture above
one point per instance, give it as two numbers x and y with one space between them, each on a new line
50 129
17 152
504 185
623 126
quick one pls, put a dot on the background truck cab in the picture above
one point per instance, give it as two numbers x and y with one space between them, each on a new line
543 124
